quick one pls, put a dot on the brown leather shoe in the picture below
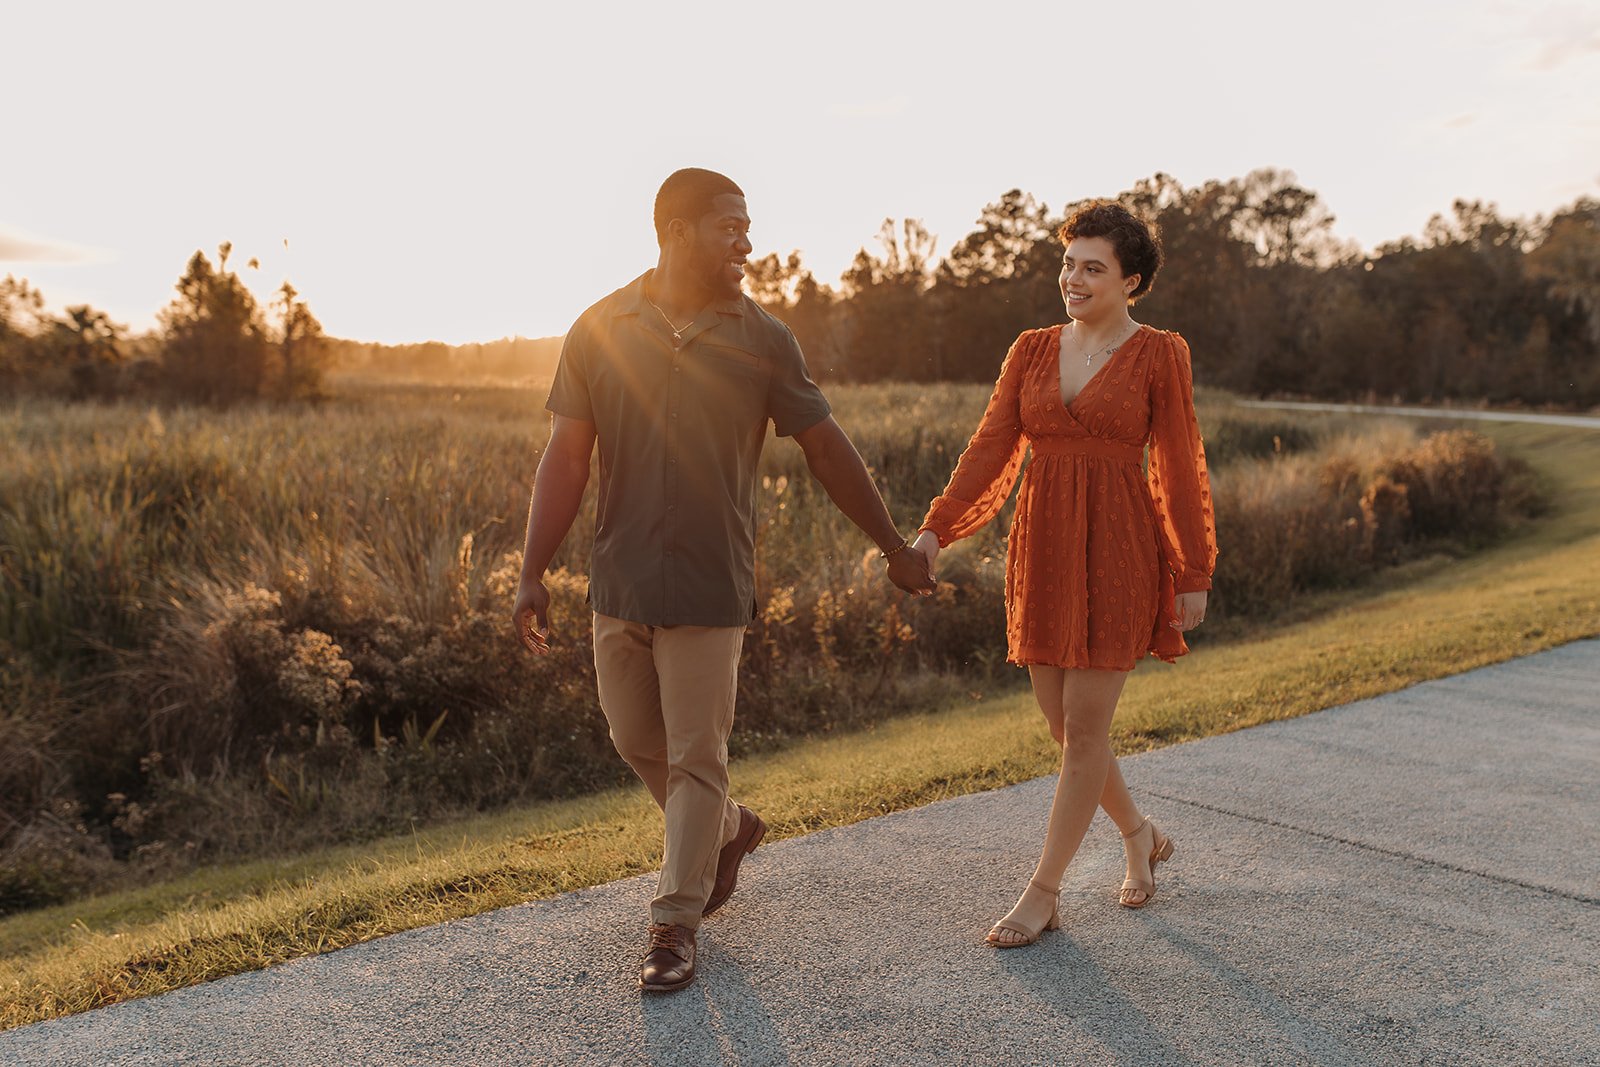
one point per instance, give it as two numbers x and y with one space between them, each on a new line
751 831
669 962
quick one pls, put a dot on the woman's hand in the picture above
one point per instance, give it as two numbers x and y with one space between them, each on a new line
927 543
1190 609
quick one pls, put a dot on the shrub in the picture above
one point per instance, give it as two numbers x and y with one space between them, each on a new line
1459 489
1330 518
1235 437
1385 519
52 856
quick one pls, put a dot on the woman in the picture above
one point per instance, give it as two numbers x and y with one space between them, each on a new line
1103 565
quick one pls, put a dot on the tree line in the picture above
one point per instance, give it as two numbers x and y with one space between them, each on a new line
1480 307
215 343
510 359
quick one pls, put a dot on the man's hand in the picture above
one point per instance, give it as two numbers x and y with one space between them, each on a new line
909 569
837 467
1190 609
557 494
531 617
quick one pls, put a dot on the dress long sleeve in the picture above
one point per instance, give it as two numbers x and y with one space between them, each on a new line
1178 480
989 465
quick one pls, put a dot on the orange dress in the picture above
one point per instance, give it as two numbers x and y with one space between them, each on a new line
1097 552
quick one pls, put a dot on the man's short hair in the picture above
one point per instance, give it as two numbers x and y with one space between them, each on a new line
687 194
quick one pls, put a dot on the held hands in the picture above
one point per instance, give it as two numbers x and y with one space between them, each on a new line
531 617
1190 609
911 571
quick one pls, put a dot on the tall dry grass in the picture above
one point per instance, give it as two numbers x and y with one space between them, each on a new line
1333 516
251 631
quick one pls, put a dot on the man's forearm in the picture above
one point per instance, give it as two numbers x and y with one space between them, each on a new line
557 494
844 476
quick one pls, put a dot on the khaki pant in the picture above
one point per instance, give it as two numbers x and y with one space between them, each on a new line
668 695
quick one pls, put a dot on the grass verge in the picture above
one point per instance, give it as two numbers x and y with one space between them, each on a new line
1436 617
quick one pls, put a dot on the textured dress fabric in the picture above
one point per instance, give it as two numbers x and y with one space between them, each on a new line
1098 550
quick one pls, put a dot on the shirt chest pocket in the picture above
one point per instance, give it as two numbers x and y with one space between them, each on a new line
727 383
724 359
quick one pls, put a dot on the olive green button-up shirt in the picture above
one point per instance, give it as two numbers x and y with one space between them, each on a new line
680 427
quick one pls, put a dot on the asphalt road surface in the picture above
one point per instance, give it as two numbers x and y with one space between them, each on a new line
1588 422
1413 879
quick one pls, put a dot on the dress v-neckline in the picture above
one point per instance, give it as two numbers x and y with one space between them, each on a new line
1066 405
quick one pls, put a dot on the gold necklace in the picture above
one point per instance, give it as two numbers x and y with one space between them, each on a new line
1111 347
677 334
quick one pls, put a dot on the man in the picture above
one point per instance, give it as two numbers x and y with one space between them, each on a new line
676 375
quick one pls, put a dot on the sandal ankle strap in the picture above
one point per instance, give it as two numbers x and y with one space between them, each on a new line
1136 829
1041 887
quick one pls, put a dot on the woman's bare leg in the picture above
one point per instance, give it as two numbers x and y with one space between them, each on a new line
1049 690
1088 700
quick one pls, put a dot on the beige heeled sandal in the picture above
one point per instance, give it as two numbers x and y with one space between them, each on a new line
1028 936
1160 849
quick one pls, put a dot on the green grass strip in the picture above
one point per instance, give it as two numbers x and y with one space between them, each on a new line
1429 619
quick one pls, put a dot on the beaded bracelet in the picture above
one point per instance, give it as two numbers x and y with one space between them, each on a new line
901 547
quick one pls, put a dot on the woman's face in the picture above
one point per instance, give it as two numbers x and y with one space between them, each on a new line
1092 282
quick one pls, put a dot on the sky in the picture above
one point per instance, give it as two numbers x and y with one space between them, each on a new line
471 171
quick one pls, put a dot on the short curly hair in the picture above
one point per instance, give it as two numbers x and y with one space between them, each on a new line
1135 240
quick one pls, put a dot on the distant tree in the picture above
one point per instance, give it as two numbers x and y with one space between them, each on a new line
92 346
302 349
215 346
21 307
1009 232
1000 279
75 355
1567 262
1459 307
770 280
1205 290
888 328
1290 232
1283 221
790 291
22 321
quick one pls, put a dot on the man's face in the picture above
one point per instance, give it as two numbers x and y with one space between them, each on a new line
720 244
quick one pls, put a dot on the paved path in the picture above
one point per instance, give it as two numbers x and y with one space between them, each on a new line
1588 422
1413 879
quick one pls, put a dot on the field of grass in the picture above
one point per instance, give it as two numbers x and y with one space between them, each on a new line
257 631
1431 616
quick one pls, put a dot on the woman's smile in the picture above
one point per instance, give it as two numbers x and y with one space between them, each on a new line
1089 270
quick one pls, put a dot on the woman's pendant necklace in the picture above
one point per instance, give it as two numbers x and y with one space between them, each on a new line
1112 346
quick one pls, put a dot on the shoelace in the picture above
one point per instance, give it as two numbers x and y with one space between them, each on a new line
664 935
